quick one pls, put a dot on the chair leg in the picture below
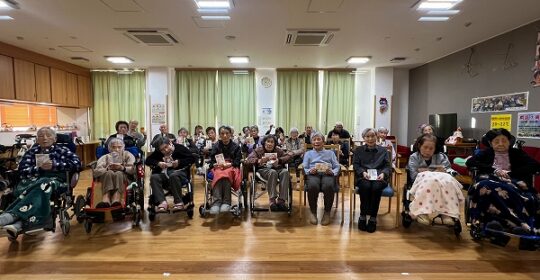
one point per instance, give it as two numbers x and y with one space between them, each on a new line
342 206
389 204
351 212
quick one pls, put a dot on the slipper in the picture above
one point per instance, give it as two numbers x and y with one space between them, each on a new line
178 207
162 207
103 205
116 204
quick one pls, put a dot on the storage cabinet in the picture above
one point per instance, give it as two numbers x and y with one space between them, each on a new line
25 80
43 83
7 84
58 86
86 99
72 93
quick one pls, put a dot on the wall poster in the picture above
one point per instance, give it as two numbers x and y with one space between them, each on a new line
500 103
528 125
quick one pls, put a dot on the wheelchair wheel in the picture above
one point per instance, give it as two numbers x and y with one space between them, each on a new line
190 213
476 232
406 220
64 222
12 238
151 215
78 208
136 216
202 211
87 226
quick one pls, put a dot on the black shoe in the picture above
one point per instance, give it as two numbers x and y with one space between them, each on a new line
274 207
103 205
527 244
371 226
362 224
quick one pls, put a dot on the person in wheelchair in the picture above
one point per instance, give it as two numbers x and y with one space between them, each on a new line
122 128
321 167
225 160
436 193
295 149
504 198
169 163
42 171
112 171
269 161
372 169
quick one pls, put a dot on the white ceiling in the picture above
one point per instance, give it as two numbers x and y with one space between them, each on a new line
382 29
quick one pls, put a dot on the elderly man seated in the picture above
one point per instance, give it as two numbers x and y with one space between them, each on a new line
163 132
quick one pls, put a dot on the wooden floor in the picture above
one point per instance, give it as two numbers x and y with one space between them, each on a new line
268 246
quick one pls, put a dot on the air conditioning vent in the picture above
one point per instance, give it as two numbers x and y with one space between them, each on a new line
397 59
309 37
150 36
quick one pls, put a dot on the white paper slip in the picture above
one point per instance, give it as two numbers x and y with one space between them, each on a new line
220 159
42 159
372 174
322 167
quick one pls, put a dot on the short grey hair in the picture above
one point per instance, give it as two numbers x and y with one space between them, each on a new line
339 123
116 141
293 129
368 130
160 141
317 134
382 129
46 129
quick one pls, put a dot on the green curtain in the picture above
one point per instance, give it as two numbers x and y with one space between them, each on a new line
194 102
338 100
236 99
297 99
117 97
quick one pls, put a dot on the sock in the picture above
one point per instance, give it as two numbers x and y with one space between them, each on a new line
6 219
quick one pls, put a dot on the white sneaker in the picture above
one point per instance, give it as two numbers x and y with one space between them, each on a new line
14 229
225 207
214 210
447 220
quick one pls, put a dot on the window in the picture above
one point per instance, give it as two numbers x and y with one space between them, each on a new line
24 115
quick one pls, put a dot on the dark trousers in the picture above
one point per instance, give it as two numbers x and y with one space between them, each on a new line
370 196
320 183
221 193
159 181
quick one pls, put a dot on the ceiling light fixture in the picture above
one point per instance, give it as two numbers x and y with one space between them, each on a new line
119 59
213 11
240 72
213 4
436 5
6 18
238 59
215 17
358 59
443 12
433 18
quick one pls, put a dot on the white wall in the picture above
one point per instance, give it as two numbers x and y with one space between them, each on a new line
266 98
364 102
384 87
400 108
159 85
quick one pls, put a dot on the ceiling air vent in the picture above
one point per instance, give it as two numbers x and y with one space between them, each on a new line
397 59
309 37
150 36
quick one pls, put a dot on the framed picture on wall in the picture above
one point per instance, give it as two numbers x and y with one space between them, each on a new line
500 103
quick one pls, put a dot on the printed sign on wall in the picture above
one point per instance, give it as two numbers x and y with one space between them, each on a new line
501 121
528 125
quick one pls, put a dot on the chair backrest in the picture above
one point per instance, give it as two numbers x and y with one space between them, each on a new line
335 147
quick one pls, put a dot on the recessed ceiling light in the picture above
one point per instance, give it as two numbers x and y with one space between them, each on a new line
453 1
238 59
433 18
436 5
358 59
213 4
240 72
6 18
443 12
216 17
213 11
4 5
119 59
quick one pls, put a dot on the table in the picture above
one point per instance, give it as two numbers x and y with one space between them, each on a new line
87 152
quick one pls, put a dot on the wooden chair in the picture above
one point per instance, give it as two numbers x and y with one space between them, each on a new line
343 170
393 189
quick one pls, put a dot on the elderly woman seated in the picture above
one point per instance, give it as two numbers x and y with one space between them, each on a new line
112 171
295 148
122 128
503 197
321 167
43 171
382 133
270 163
436 193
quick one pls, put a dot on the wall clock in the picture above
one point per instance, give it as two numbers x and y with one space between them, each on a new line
266 82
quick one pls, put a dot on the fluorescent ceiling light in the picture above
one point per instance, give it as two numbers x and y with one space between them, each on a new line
213 11
433 18
238 59
453 1
6 18
358 59
215 17
240 72
436 5
443 12
213 4
4 5
119 59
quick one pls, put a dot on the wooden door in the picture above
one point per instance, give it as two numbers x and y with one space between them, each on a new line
25 80
58 86
7 83
43 83
72 92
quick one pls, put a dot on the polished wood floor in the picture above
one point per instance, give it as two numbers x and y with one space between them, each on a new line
267 246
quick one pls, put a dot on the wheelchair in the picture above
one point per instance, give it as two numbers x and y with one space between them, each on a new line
241 195
481 230
61 201
258 189
407 220
132 199
186 192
